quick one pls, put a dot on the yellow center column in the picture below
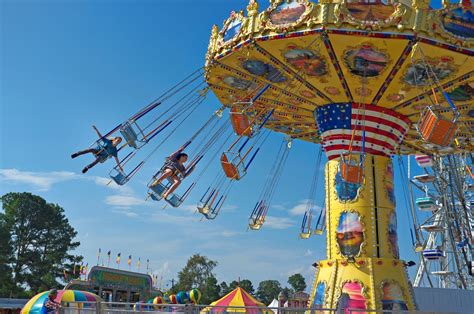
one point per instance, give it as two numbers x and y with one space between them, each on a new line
362 269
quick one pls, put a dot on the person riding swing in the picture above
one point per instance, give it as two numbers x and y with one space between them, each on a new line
102 152
174 170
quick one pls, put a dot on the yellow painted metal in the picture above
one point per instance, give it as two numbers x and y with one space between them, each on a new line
362 249
397 39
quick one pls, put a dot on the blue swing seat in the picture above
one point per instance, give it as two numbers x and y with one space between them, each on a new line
129 134
157 191
174 200
119 177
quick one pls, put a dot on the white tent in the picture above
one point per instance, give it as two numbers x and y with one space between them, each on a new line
274 304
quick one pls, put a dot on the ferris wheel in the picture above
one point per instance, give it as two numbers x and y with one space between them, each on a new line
444 220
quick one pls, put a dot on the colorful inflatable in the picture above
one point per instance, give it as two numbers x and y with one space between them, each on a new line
83 299
195 296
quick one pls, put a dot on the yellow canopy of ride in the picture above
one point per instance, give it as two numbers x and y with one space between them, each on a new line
235 301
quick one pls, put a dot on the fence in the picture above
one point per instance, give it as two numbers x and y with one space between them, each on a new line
146 308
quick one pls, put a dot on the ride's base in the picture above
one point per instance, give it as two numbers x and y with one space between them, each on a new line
362 270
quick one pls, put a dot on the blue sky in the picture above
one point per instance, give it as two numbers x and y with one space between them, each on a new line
68 64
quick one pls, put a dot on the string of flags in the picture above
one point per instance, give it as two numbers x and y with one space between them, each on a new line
80 270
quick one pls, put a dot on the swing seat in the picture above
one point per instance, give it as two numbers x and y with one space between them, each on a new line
174 200
119 177
424 161
233 169
305 235
204 209
352 173
256 225
435 129
433 254
241 123
157 191
425 178
129 134
426 204
318 231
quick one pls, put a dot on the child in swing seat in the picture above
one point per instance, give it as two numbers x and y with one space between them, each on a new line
102 153
174 170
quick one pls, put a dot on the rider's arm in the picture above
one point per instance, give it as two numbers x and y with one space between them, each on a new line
98 133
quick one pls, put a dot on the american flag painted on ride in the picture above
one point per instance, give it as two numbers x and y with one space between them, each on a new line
384 128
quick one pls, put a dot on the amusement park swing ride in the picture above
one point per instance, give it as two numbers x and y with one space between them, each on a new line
368 81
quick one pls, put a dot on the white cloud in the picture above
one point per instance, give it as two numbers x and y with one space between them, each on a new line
300 208
39 180
125 211
308 252
229 234
278 222
124 201
108 183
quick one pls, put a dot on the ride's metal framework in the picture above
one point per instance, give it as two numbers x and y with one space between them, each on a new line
449 228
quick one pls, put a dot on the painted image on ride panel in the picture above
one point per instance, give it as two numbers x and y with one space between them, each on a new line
365 61
393 297
238 83
260 68
393 235
459 22
287 13
350 234
232 29
418 75
389 187
318 302
462 93
346 191
352 298
306 61
370 11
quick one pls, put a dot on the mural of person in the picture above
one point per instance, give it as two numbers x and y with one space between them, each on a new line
393 297
232 29
350 234
238 83
260 68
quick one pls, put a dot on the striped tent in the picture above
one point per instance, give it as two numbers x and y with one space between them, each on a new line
235 301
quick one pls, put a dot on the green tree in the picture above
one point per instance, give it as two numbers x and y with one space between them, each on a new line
268 290
197 273
7 287
41 240
244 284
224 289
212 291
297 282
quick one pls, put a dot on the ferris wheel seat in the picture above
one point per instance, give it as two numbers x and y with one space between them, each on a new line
424 161
426 203
442 273
432 228
433 254
435 129
425 178
129 134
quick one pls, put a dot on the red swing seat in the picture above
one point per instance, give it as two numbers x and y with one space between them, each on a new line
435 129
